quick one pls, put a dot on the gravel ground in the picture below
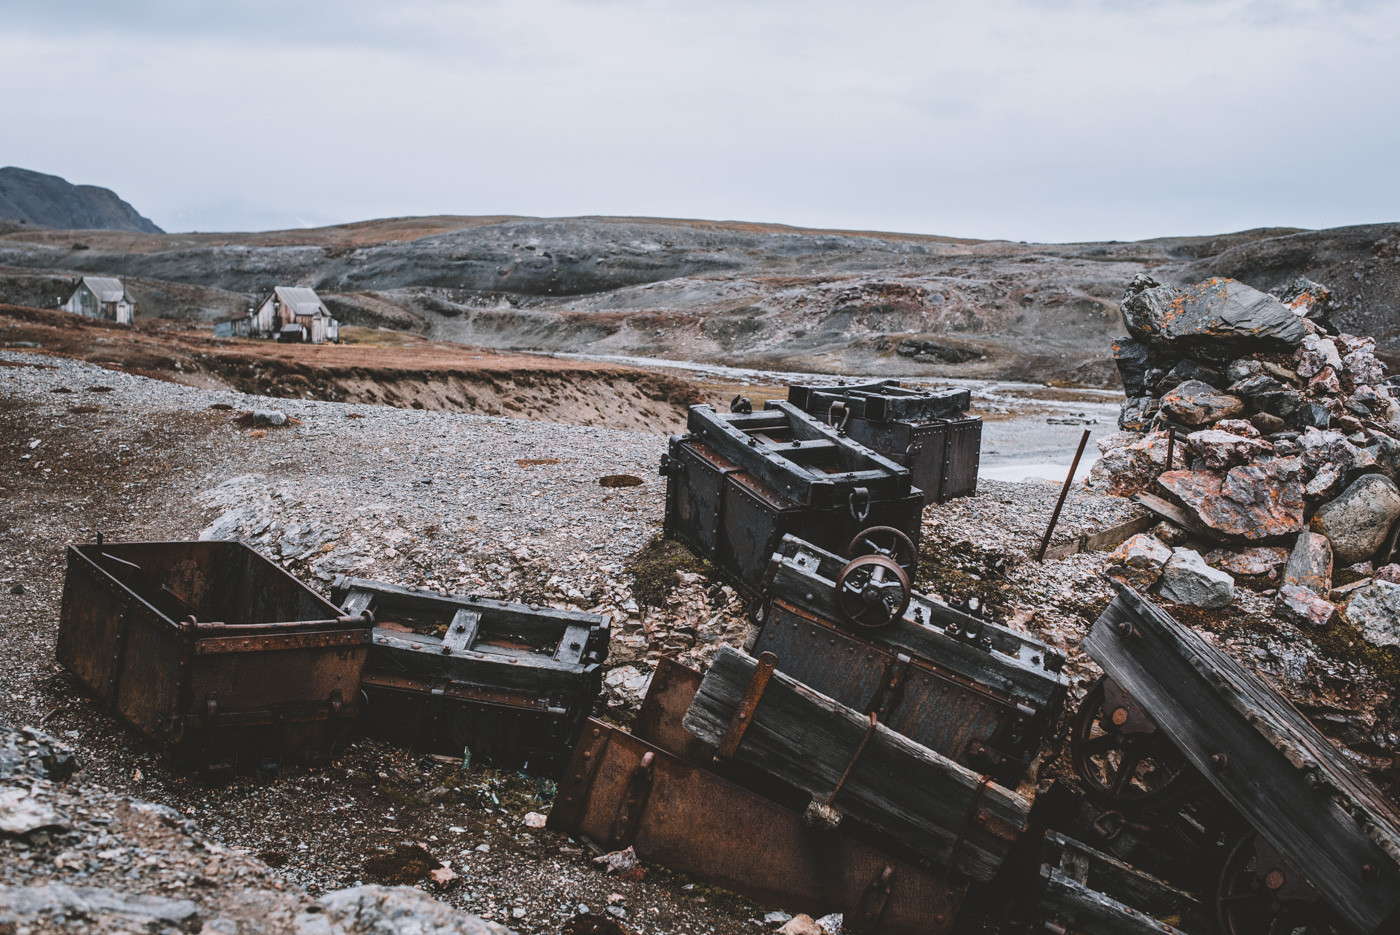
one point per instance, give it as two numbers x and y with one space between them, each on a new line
463 503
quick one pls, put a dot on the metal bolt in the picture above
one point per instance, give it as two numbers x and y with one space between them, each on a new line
1218 762
1274 879
447 650
1370 873
1125 629
1119 716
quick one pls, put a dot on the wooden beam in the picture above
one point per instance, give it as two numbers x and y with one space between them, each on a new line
1261 755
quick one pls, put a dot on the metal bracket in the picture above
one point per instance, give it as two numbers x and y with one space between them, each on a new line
859 504
838 415
889 693
864 742
633 804
743 715
865 920
967 824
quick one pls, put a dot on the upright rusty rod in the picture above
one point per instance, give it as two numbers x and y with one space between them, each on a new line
1064 492
1171 444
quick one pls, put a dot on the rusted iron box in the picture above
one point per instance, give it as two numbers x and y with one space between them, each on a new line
656 791
506 684
927 431
211 650
975 691
739 482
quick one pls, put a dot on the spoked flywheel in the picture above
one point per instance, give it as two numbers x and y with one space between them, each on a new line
887 541
1262 892
873 590
1124 761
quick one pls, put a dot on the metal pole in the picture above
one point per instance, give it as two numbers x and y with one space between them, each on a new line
1064 492
1171 444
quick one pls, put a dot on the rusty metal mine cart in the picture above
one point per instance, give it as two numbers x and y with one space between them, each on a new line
739 481
507 684
212 651
927 431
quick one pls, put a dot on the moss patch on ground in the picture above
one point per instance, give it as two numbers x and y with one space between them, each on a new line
653 570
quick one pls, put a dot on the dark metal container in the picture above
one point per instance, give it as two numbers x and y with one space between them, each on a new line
654 792
506 684
739 482
975 691
212 651
927 431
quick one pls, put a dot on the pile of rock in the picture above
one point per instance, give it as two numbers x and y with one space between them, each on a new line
1271 439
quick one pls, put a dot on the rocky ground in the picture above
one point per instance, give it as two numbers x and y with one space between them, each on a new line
436 499
759 294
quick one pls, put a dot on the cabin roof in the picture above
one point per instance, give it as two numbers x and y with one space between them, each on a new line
106 288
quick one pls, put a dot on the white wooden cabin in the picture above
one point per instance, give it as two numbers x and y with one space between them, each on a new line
101 297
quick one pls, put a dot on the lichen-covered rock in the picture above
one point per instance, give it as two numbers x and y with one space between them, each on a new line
1197 403
1261 561
1325 383
1137 414
1321 449
1389 573
1374 609
1308 299
1266 393
1220 449
1128 463
1361 368
1301 605
1359 519
1315 354
380 910
1141 366
1210 315
1187 579
1187 369
1310 564
1266 424
1138 561
1252 501
1238 427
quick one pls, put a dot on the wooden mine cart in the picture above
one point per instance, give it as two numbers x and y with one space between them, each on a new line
211 650
740 481
927 431
506 684
662 793
975 691
1323 852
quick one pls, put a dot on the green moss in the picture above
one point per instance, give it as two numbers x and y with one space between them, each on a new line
654 566
1343 641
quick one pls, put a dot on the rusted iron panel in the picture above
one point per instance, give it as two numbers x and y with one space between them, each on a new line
211 650
980 726
1261 755
620 791
851 765
1090 893
508 684
927 431
977 651
739 482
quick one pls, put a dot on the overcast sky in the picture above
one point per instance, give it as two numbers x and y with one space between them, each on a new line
1052 120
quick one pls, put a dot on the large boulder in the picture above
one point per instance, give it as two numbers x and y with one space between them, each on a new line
1375 611
1310 564
1214 316
1197 403
1138 562
1223 449
1141 366
1358 521
1252 501
1187 579
1128 463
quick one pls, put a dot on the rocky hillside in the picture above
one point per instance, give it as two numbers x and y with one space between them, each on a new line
727 292
34 199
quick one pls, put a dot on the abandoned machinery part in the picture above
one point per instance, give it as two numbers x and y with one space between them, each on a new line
927 431
738 482
213 652
509 685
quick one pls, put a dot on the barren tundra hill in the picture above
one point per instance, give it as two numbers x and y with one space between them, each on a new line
718 291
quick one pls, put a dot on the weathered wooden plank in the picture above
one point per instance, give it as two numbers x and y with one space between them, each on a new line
1264 757
1094 893
1015 663
895 786
1103 539
422 656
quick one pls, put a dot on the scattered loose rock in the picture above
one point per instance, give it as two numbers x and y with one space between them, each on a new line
1187 579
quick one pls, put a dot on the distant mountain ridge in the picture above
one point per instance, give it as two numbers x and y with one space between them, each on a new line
40 200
